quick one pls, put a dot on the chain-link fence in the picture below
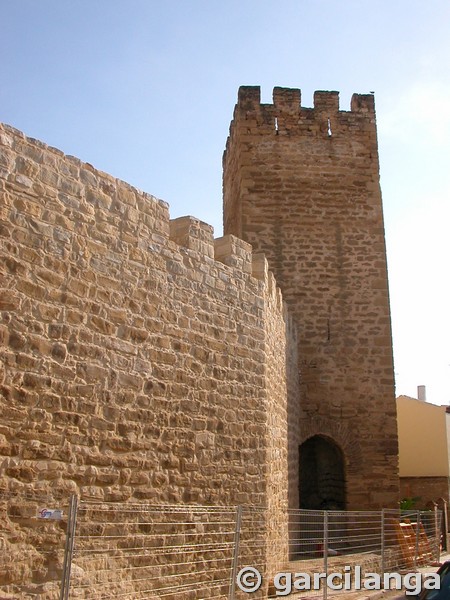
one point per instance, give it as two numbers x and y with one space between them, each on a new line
93 550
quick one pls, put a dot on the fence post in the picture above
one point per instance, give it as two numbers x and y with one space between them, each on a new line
383 543
234 566
444 525
325 551
68 550
437 533
416 553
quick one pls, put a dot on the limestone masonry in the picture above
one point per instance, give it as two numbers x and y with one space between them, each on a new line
144 360
302 186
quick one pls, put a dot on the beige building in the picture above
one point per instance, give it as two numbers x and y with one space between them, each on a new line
424 450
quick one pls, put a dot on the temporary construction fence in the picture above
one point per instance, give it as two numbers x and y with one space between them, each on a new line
33 532
149 551
344 542
99 550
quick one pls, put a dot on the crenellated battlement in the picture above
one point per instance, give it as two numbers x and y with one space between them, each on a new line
107 219
234 252
326 102
363 103
289 100
194 234
286 115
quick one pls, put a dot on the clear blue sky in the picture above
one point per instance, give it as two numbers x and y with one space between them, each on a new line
145 89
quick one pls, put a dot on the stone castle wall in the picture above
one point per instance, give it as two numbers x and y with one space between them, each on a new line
141 358
302 186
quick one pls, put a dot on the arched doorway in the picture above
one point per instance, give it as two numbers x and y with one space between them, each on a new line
322 475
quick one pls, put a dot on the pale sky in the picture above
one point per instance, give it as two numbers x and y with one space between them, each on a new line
145 89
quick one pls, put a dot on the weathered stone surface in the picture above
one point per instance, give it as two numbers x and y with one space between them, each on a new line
142 360
135 366
301 185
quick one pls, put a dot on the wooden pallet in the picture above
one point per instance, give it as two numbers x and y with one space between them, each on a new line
406 533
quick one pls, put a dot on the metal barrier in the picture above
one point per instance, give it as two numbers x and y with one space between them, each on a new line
33 530
97 550
343 542
146 551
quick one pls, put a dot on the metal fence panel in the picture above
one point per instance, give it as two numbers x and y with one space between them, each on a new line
98 550
133 551
32 538
346 542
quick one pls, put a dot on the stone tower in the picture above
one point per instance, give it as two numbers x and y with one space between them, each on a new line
302 186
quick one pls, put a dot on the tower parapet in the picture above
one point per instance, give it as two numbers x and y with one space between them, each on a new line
289 100
286 116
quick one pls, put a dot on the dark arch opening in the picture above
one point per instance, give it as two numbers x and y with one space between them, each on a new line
322 475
